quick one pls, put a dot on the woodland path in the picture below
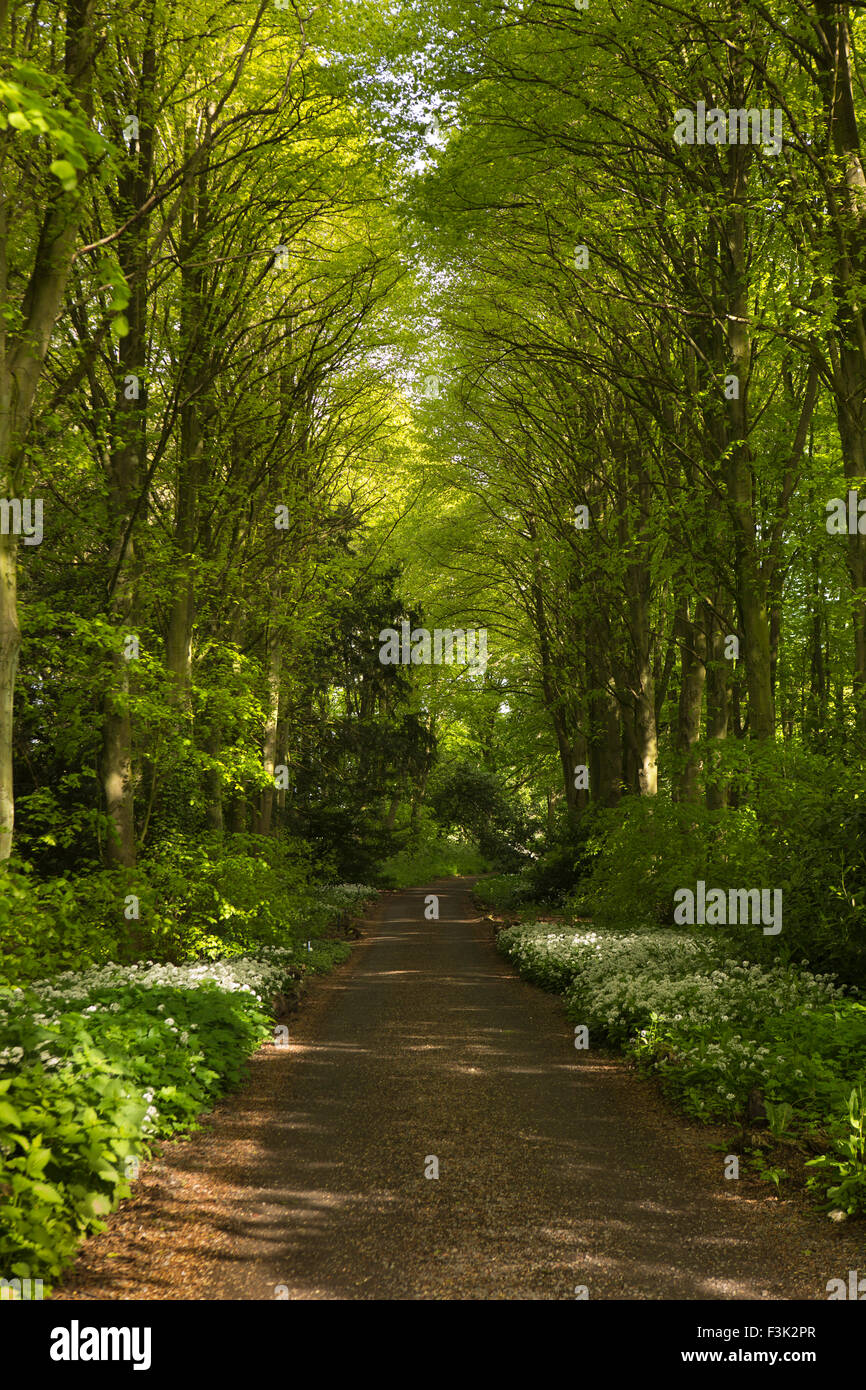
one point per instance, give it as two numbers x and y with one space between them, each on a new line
557 1168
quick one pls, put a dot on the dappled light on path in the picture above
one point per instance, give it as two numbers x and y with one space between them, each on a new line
556 1168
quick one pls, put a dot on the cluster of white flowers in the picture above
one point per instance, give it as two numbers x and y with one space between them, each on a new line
620 979
679 1001
736 1062
145 1054
346 895
261 975
558 954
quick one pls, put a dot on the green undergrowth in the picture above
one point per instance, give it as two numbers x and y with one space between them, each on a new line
440 857
98 1064
720 1031
190 898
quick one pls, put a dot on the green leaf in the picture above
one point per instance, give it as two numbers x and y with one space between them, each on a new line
47 1193
8 1114
96 1204
64 171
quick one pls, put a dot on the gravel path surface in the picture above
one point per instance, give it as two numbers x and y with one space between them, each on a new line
557 1169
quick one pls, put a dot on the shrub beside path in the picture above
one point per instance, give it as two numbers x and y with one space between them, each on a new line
557 1168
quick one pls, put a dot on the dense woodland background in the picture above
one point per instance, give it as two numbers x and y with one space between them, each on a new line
318 321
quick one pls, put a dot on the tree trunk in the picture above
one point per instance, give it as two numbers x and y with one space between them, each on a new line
639 582
117 766
751 586
693 671
213 779
23 349
10 642
846 191
125 465
194 218
552 700
718 712
269 748
646 734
